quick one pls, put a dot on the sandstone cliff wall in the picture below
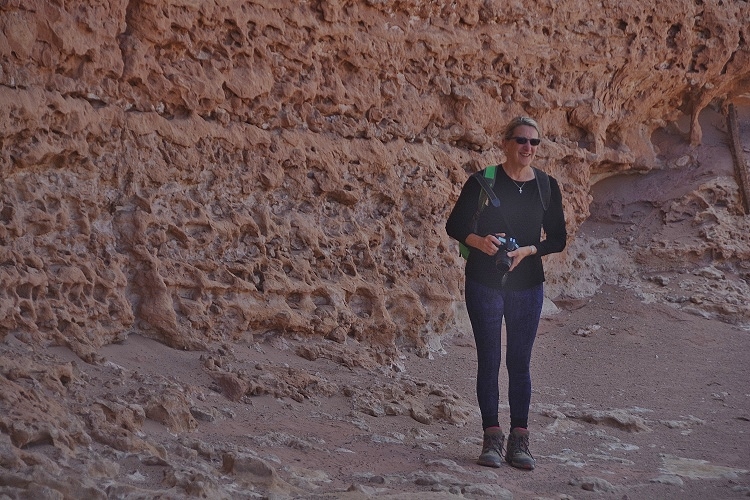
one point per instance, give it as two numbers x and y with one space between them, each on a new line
201 171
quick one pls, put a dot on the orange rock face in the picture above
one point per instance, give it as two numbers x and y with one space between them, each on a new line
203 171
236 176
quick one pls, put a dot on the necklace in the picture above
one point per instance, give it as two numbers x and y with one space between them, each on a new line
520 188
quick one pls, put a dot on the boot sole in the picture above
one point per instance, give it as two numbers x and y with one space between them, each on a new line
522 466
489 464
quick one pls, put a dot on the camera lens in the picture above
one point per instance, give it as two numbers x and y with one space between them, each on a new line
502 261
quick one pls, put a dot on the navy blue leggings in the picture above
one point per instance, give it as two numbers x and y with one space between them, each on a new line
521 309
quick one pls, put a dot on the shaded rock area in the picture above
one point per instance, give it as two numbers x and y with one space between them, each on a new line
224 271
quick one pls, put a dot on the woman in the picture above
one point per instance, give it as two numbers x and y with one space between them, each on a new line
516 295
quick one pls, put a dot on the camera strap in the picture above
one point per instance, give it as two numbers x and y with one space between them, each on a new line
494 200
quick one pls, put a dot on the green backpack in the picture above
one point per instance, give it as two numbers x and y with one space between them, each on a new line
486 179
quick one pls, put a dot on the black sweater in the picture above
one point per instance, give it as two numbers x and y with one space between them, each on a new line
525 218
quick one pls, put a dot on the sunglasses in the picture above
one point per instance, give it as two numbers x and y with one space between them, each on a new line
524 140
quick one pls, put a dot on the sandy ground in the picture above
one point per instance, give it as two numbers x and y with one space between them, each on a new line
630 401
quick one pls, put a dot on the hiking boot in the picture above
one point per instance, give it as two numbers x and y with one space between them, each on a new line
518 454
492 447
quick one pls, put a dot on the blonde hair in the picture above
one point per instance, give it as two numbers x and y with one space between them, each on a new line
517 122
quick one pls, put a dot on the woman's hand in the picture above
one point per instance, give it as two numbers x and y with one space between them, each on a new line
487 244
519 254
490 245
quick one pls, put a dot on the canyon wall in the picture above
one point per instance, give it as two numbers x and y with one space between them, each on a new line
239 180
204 171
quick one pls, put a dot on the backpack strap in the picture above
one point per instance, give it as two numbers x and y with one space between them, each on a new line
542 184
487 181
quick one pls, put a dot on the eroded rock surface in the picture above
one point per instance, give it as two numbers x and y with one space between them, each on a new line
217 174
199 171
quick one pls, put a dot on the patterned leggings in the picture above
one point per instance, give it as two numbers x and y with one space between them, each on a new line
521 309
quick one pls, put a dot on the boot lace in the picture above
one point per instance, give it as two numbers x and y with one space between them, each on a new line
519 444
493 442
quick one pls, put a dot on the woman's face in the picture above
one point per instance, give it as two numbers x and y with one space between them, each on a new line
521 154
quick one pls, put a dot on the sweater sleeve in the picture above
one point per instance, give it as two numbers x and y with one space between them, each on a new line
556 234
459 221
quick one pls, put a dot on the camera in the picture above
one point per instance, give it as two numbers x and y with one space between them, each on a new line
502 261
